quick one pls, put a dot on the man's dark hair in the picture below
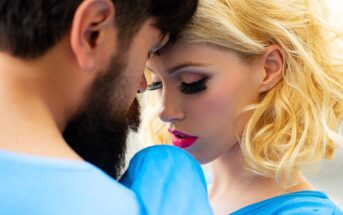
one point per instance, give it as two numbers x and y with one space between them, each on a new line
29 28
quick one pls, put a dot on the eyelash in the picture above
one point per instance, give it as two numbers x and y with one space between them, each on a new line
155 85
194 87
185 88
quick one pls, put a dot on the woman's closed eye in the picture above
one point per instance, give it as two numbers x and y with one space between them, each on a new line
185 88
194 87
155 85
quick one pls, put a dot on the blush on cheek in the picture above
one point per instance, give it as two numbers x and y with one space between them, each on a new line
220 109
221 102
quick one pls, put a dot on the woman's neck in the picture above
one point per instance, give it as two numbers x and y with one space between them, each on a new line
233 187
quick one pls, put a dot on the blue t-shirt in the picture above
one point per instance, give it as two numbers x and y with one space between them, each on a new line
297 203
36 186
168 181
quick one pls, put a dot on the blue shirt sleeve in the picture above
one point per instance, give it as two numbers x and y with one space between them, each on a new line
306 202
168 181
314 207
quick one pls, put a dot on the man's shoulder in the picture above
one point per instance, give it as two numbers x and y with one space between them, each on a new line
60 187
100 190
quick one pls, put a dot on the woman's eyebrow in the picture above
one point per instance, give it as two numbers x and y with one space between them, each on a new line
181 66
186 65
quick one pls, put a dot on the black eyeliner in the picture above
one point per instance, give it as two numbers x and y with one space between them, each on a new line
194 87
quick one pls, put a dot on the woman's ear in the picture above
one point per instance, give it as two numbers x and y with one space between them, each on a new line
90 25
273 63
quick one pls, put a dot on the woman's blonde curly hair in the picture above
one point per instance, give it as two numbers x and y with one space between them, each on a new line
296 123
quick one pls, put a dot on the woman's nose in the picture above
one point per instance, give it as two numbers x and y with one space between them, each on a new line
170 110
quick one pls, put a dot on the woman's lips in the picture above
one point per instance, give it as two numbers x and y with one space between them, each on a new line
182 140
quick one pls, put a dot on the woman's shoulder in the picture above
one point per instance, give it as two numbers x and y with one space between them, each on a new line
306 202
302 202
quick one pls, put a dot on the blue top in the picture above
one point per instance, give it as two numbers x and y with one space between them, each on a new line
302 202
168 181
37 185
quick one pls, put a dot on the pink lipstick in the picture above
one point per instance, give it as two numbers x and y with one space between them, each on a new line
182 140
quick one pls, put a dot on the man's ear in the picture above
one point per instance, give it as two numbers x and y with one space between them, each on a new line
93 18
273 63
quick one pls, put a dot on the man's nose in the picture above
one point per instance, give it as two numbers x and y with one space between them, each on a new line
143 85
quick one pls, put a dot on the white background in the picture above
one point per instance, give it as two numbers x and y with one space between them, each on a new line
330 178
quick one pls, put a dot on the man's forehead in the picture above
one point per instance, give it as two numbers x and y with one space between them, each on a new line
163 37
163 42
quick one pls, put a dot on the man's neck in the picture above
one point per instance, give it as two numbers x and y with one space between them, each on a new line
27 123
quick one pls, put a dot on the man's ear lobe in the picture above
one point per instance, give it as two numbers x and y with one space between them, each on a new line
92 19
273 60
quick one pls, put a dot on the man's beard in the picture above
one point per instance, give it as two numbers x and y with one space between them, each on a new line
99 132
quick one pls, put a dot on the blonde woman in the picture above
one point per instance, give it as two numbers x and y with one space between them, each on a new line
253 87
